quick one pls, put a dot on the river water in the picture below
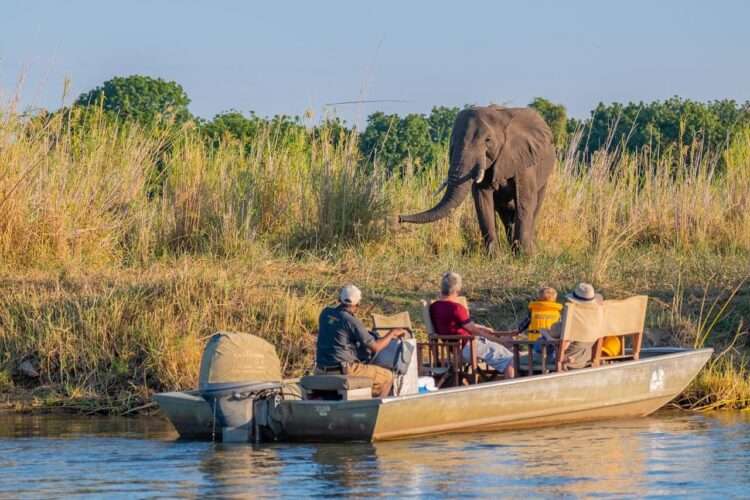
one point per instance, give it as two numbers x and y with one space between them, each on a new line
669 454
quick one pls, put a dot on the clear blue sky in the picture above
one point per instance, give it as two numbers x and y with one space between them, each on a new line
286 57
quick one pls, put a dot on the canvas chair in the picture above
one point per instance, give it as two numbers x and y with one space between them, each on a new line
625 319
383 322
614 318
442 356
591 322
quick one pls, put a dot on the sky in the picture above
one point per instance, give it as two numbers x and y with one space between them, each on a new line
284 57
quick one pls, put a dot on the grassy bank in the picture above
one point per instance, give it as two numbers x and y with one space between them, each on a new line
123 248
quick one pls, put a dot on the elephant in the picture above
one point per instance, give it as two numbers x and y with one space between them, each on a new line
505 156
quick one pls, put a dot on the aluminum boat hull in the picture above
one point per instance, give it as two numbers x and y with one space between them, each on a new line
619 390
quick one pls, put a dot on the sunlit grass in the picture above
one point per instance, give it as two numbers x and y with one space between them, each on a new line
122 248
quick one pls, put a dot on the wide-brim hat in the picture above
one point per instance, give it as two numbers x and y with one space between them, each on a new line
584 293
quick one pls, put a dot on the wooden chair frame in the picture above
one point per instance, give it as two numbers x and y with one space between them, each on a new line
635 350
442 356
529 344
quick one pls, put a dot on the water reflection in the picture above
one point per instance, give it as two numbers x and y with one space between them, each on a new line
226 468
669 454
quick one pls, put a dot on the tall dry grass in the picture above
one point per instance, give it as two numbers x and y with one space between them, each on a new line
116 241
111 194
107 342
72 195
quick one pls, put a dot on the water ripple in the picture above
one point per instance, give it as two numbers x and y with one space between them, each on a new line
670 454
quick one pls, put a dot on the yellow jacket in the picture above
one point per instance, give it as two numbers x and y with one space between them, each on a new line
544 314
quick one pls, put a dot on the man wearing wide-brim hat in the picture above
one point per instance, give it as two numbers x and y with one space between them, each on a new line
584 293
578 354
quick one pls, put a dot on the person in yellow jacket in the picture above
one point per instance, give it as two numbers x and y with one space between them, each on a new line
543 313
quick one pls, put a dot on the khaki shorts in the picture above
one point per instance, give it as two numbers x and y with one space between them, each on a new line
578 355
382 379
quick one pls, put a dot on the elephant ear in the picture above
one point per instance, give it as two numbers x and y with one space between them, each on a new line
526 138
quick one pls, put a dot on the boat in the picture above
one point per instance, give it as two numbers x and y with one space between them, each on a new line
261 409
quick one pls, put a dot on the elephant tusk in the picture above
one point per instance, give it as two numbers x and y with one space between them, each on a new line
480 176
442 186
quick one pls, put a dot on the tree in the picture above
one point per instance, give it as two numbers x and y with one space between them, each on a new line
556 117
441 121
333 130
140 98
248 130
407 144
401 144
232 125
659 125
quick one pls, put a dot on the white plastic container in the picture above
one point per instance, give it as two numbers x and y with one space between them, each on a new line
407 383
426 384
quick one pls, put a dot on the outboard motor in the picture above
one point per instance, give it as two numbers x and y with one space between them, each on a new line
240 409
240 376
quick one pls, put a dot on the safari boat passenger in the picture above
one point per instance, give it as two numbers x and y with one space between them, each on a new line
578 354
451 317
544 312
341 337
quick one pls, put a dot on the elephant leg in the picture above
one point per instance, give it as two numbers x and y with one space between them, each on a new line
526 210
508 216
485 206
539 200
505 206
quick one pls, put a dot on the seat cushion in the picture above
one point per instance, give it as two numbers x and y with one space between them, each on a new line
334 383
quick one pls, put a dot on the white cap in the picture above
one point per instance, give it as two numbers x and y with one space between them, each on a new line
350 295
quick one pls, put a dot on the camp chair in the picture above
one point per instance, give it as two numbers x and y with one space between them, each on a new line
384 322
591 322
614 318
407 383
624 319
441 357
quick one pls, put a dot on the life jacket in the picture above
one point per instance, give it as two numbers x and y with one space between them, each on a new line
611 346
544 314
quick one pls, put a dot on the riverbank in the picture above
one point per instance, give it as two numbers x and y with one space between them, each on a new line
123 248
103 340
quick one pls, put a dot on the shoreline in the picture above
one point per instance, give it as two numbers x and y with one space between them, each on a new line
105 340
25 402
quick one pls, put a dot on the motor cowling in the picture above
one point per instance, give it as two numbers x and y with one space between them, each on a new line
240 376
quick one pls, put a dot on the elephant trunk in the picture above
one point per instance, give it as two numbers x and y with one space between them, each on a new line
453 197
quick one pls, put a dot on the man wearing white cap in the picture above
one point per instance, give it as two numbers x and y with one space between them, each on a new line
342 335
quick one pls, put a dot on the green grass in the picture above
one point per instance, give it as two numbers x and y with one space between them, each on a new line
122 249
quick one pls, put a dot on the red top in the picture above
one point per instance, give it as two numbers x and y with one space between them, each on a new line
449 317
